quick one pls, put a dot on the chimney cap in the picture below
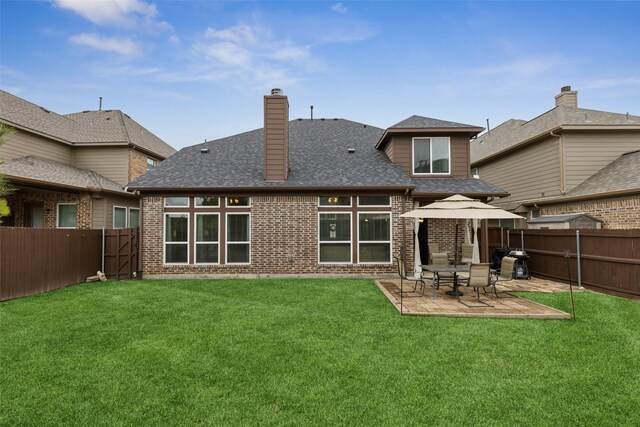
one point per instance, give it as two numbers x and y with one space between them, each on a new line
565 89
276 91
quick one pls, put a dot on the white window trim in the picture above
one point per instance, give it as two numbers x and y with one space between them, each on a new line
196 243
227 205
374 206
174 206
350 241
113 217
413 156
390 241
336 206
226 240
58 215
129 216
164 238
195 204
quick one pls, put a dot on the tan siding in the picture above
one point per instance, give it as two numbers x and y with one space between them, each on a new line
526 173
110 162
110 202
20 144
388 150
586 154
460 156
98 213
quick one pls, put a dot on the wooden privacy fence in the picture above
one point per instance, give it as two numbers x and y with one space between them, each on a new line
607 260
35 260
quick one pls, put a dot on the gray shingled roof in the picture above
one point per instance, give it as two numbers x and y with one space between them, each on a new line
80 128
621 174
417 122
318 157
466 186
515 131
48 171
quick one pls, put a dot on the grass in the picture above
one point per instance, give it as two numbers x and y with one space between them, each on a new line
311 352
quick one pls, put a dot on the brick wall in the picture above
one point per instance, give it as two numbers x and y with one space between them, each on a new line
49 200
284 241
616 213
137 164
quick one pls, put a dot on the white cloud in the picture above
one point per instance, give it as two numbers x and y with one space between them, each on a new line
118 45
227 53
339 8
239 34
120 13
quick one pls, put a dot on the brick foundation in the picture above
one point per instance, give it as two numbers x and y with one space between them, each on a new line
615 213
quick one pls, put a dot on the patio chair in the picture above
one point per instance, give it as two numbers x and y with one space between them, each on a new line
467 253
479 277
402 272
434 248
504 274
441 258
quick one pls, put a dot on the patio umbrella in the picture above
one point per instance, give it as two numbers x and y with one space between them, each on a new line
461 207
417 263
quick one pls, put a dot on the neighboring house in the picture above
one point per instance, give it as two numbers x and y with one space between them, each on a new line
70 171
303 196
567 160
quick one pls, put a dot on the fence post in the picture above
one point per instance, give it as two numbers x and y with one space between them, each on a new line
501 238
578 258
522 239
103 238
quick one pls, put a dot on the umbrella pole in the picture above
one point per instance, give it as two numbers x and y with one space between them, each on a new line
455 248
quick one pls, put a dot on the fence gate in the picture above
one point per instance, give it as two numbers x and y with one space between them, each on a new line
121 253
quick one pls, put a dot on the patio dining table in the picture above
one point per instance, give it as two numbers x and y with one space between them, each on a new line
435 269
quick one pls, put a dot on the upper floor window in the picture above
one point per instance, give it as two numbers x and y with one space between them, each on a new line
475 173
151 163
431 156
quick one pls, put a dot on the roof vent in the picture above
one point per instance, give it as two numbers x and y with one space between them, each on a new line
276 91
351 150
204 150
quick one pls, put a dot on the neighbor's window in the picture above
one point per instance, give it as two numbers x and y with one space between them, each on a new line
374 201
134 217
207 238
475 173
535 213
238 201
431 155
335 238
238 239
176 201
151 163
176 238
335 201
206 201
67 215
119 217
374 237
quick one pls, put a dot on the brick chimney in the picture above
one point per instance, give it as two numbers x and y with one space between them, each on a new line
567 98
276 136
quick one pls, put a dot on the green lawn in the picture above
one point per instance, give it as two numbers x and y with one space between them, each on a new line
319 352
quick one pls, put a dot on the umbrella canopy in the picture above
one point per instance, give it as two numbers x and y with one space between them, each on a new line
460 207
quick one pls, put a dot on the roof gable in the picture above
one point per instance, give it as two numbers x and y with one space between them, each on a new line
419 122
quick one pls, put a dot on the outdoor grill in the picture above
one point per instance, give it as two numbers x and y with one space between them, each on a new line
521 267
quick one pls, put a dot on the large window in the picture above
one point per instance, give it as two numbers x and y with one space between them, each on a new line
67 215
207 238
335 238
374 237
431 156
238 239
176 238
119 217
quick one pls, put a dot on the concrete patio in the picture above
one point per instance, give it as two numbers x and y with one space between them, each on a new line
444 305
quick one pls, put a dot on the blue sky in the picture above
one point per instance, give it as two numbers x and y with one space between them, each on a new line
190 71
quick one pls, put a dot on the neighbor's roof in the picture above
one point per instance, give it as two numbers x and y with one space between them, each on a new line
559 218
621 174
50 173
104 127
515 131
318 158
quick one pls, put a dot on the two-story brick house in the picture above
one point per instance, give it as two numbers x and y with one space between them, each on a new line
567 160
70 171
303 196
